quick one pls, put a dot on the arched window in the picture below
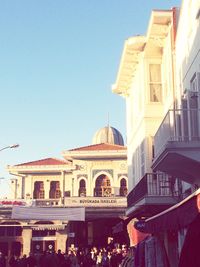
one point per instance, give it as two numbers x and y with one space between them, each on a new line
10 229
38 192
46 230
82 188
102 186
55 190
123 187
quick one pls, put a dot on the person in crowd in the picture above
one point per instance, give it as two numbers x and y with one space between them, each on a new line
31 261
60 257
66 262
105 259
2 260
99 259
88 261
73 258
23 261
12 261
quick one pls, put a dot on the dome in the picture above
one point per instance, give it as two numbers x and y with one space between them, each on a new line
108 135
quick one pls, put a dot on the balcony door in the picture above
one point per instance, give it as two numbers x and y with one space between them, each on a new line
82 188
38 192
55 190
102 186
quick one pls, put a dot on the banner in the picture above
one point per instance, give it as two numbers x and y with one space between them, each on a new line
48 214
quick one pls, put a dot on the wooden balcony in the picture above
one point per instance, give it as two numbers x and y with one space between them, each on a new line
153 193
177 145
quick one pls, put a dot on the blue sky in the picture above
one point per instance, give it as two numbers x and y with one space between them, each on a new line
58 60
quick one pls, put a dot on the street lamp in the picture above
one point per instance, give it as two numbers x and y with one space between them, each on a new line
10 146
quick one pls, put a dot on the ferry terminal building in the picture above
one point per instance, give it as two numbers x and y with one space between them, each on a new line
85 193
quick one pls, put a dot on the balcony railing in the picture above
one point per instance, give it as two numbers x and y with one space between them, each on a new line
47 202
180 125
153 185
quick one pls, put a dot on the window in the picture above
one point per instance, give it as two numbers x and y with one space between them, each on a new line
102 187
142 158
38 190
193 103
82 188
123 187
55 190
10 230
155 84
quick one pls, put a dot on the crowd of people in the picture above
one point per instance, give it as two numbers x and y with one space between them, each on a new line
85 257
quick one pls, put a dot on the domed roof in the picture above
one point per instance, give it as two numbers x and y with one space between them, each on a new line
108 135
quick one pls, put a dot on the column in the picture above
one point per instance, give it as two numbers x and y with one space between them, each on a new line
23 187
90 233
46 188
27 236
62 185
61 238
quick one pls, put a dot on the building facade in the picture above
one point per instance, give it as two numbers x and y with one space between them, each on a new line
146 80
93 177
159 77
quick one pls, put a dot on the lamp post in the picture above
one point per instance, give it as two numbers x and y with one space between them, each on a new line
6 147
10 146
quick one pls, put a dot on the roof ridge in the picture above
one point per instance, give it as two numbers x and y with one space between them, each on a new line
97 145
44 159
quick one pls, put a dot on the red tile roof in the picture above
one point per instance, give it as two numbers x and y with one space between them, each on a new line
48 161
103 146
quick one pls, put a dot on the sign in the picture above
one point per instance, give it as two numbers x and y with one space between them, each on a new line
95 202
139 225
71 234
14 202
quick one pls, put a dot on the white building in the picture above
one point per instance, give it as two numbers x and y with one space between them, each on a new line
146 79
172 122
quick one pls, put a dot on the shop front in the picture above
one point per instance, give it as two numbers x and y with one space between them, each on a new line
178 229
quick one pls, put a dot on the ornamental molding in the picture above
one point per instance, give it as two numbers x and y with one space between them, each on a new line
95 172
122 175
82 176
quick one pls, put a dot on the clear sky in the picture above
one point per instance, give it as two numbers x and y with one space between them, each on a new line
58 61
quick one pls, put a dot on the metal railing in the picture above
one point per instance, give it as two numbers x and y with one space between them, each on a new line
180 125
47 202
152 185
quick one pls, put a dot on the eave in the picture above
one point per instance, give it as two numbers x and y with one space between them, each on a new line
129 60
97 154
158 29
39 169
151 44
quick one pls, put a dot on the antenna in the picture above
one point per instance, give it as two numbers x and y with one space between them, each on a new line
108 129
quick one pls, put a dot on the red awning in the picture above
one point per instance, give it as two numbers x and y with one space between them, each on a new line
174 218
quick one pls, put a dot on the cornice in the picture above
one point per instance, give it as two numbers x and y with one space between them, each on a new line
129 60
40 168
158 28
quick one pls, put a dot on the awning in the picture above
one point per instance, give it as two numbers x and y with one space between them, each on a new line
135 236
48 213
118 228
49 227
174 218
